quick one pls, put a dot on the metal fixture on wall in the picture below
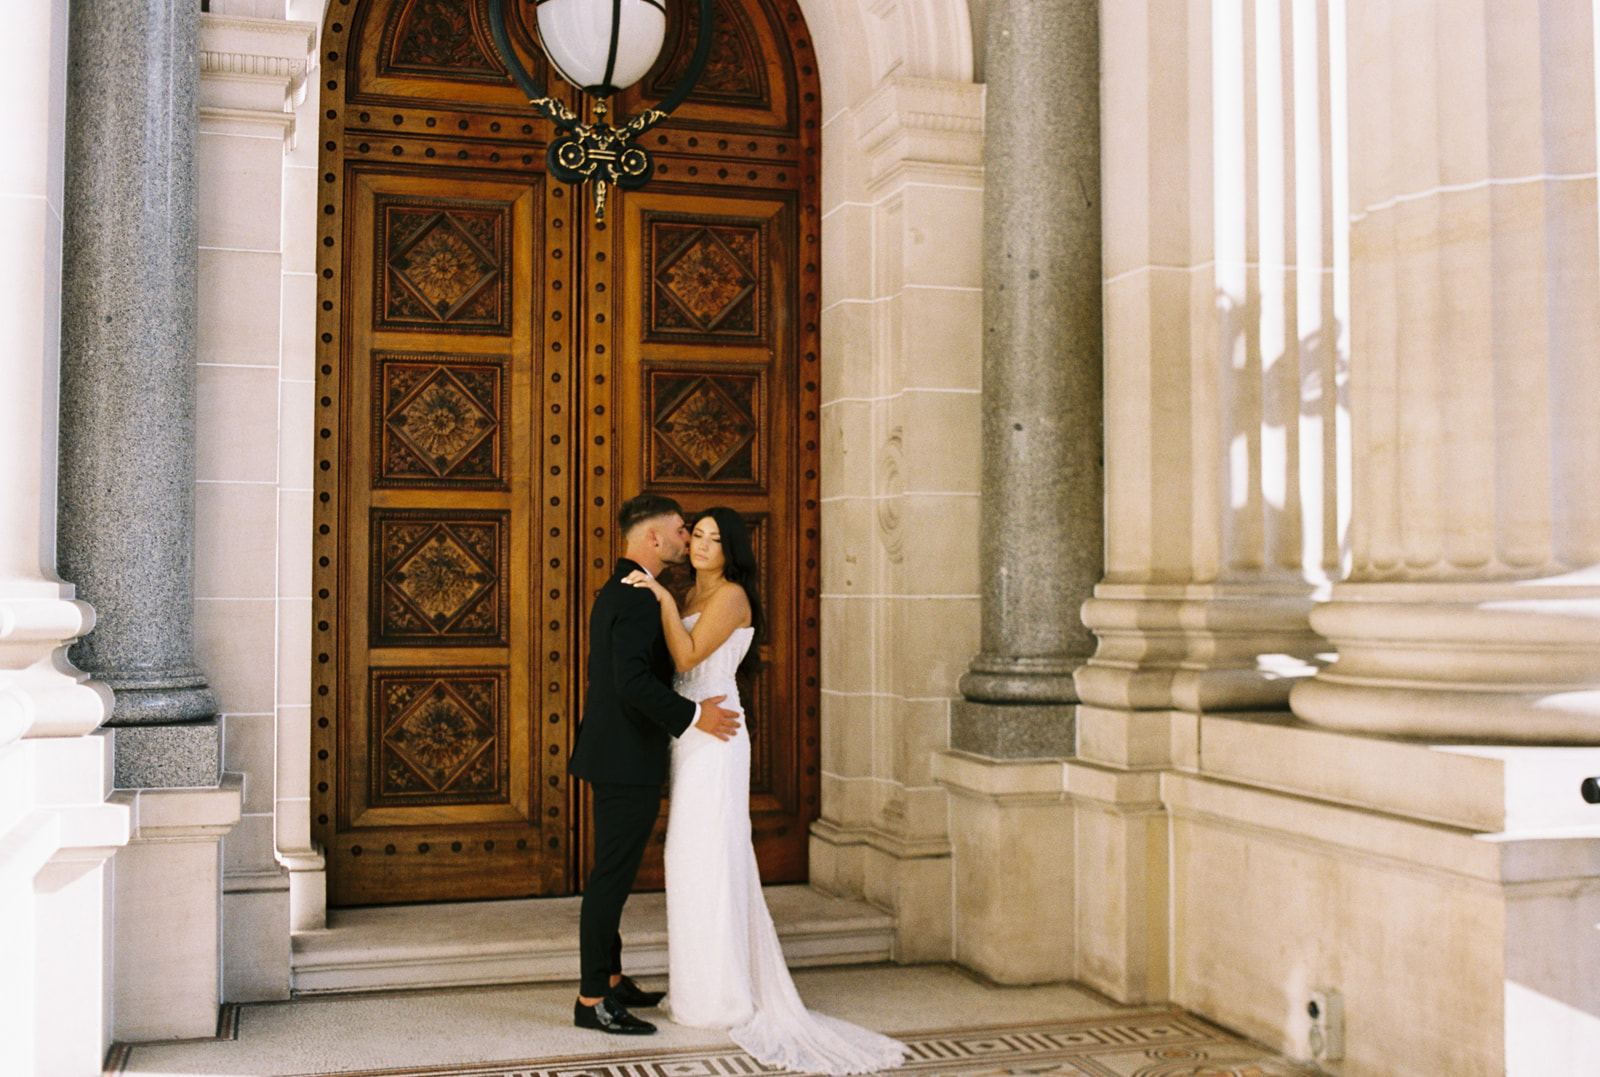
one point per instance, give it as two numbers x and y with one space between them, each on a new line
601 47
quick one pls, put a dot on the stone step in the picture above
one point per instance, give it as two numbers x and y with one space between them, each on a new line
536 940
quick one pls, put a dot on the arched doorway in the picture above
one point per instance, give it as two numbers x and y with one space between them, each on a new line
497 371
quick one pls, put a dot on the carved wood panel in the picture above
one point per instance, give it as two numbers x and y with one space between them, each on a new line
496 372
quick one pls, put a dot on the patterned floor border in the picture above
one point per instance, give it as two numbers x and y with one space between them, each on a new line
1153 1043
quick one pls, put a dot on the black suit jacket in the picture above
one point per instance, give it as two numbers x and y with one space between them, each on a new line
630 712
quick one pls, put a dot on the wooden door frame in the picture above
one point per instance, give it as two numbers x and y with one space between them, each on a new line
792 153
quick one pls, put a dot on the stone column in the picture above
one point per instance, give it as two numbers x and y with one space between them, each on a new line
1042 525
127 393
1472 606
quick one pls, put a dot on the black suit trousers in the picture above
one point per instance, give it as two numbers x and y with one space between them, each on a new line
624 816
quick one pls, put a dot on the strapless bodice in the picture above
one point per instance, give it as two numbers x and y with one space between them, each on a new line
715 675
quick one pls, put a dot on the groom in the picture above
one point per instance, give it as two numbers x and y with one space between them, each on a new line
630 714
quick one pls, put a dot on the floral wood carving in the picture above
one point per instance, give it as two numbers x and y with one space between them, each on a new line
440 39
705 428
439 737
439 578
705 279
439 422
444 267
735 73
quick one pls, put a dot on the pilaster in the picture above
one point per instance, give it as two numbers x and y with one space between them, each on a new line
900 426
254 406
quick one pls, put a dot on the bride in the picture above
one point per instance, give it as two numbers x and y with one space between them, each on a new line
725 967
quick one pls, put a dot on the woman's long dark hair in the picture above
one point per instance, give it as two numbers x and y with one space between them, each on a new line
739 566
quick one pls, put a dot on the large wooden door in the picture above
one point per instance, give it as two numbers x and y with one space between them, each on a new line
497 372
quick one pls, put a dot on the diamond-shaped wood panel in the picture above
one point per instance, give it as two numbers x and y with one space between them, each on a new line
443 266
439 421
438 737
705 279
705 427
439 578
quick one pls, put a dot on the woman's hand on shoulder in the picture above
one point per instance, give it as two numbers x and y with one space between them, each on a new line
641 578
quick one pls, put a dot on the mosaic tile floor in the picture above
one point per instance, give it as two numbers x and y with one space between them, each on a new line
1166 1043
955 1025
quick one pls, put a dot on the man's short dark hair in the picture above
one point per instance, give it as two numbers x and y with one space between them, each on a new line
636 510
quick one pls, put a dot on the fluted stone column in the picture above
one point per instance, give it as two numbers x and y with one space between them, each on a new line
1042 525
1472 606
127 393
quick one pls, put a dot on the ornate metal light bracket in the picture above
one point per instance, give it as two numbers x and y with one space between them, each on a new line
599 152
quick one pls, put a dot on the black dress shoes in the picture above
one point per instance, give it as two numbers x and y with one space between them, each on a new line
609 1016
631 994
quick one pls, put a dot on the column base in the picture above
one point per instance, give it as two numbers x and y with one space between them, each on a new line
1013 730
175 699
168 756
1008 679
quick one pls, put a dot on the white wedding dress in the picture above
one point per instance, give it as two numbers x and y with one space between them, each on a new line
725 967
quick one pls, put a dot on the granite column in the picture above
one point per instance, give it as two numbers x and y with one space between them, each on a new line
1042 524
127 439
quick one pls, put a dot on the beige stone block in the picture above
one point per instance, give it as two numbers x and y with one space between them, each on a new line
931 645
888 246
298 437
1008 855
301 210
236 435
942 243
1259 920
297 348
293 748
294 543
938 535
848 449
844 166
255 941
248 749
294 651
847 800
294 824
847 644
847 350
1124 738
1122 926
922 727
248 847
942 330
239 296
846 739
837 867
234 641
235 540
849 274
943 440
240 185
851 551
166 896
921 903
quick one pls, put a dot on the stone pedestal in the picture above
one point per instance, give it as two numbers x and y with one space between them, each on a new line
126 509
169 919
1012 842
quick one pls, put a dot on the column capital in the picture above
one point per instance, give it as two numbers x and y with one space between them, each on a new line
907 122
253 72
